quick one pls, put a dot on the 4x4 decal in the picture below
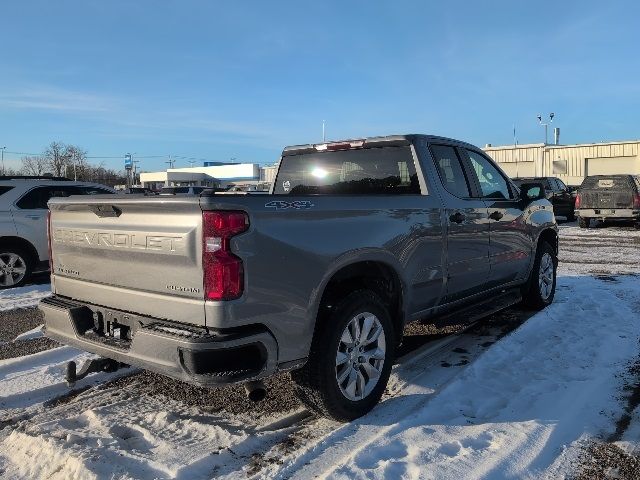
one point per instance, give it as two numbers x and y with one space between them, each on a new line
281 204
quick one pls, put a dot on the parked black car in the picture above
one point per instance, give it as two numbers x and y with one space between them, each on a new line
609 197
562 197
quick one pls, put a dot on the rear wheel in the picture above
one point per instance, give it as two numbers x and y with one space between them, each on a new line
583 222
350 359
541 287
571 217
15 267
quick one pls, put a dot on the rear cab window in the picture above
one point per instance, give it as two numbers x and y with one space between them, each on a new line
606 182
363 171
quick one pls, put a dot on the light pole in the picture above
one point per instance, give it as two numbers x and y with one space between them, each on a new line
2 149
135 171
546 137
545 125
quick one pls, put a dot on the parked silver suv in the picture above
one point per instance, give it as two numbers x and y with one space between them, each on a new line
23 222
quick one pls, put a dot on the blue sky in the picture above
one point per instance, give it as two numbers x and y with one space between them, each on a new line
222 80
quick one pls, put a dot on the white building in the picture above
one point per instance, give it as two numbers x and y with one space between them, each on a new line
209 176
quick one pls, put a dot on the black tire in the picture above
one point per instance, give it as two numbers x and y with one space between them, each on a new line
24 261
532 295
316 384
571 217
583 222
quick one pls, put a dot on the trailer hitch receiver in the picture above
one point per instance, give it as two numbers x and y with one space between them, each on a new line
90 366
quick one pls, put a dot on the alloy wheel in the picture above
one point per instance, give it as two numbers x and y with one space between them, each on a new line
13 268
545 276
360 357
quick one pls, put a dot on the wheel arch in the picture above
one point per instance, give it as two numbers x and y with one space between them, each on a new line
370 272
550 236
21 243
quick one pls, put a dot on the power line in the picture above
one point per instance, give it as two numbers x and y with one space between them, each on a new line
121 157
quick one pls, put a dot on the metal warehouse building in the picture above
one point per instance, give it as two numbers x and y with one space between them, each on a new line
571 163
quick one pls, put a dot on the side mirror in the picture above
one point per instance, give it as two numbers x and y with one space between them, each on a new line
532 191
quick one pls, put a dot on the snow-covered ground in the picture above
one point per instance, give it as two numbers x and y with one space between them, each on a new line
23 297
463 406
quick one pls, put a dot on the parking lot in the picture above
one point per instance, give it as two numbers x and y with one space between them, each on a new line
545 393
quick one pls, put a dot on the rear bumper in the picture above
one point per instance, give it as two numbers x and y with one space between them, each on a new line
608 213
191 354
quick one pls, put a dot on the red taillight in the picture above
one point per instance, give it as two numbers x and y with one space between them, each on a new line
49 240
223 271
636 201
578 200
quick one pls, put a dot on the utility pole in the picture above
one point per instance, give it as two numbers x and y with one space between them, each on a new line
2 149
324 137
546 136
191 163
170 162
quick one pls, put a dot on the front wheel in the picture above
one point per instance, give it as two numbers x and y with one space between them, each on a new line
583 222
350 359
541 287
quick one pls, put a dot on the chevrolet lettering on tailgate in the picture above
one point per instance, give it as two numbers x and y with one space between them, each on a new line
120 240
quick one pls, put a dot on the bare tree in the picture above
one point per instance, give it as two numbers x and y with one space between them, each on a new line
34 165
76 160
71 161
56 157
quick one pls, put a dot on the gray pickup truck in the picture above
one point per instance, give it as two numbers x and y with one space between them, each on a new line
356 239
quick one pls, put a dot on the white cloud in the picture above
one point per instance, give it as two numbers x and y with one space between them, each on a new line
54 99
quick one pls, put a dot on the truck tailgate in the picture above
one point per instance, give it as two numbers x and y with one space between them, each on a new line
136 254
609 193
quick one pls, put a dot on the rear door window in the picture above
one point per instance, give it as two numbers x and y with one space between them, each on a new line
367 171
38 197
4 189
561 185
450 170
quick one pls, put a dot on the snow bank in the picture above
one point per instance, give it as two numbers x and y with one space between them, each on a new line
33 333
23 297
517 408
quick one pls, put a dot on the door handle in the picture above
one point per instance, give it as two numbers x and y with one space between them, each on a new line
457 217
34 217
497 215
